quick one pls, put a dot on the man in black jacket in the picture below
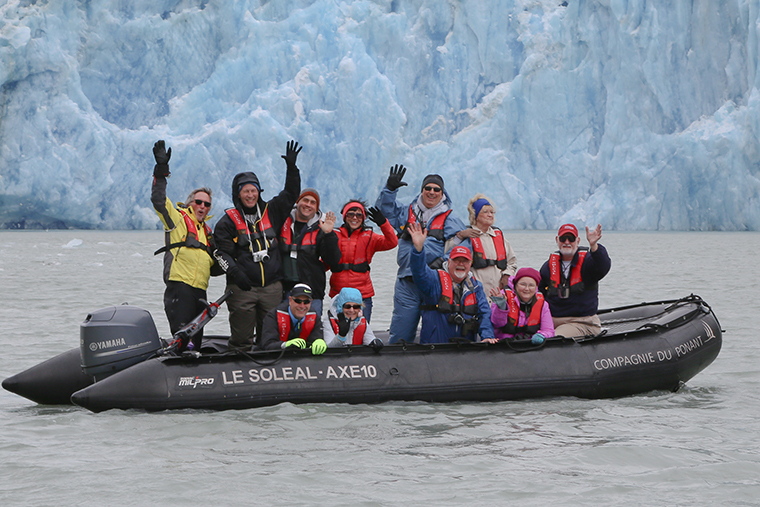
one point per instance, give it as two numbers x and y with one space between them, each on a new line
246 248
309 245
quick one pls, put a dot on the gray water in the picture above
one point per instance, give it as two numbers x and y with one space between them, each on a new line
698 446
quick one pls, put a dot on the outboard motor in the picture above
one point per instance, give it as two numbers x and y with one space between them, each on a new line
114 338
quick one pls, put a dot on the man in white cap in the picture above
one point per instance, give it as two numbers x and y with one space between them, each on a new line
453 302
570 282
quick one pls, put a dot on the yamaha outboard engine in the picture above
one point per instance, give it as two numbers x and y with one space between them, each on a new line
114 338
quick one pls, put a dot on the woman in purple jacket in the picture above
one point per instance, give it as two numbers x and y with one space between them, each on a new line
521 313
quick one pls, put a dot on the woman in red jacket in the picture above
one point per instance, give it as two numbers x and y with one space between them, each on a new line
358 243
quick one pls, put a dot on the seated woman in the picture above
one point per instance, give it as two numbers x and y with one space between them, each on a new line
347 325
522 314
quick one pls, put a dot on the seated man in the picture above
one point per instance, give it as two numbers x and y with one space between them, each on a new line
454 304
294 324
570 282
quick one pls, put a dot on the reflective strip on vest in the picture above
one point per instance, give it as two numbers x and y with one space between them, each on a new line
479 259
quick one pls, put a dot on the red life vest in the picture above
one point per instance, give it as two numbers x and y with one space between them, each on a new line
262 230
555 271
434 227
191 239
479 260
308 241
446 304
358 338
284 323
533 323
359 263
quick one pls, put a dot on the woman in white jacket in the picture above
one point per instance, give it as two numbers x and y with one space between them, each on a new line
346 325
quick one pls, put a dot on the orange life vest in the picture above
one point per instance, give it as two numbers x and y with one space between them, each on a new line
284 323
434 227
308 242
191 240
262 230
479 260
358 338
533 323
446 304
555 272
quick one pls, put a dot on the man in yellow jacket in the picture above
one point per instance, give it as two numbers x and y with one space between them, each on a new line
188 250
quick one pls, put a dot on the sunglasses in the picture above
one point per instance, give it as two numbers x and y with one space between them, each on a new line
567 237
205 203
354 214
431 188
348 306
301 301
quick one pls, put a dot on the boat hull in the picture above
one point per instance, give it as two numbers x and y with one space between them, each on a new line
655 358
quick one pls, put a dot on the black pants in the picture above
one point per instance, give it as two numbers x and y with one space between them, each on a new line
182 304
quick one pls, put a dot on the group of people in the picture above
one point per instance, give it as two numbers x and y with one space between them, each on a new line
461 281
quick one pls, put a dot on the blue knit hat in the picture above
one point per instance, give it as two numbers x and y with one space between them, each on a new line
347 295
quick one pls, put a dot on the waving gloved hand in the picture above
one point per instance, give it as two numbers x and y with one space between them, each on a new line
318 347
343 325
396 175
240 278
291 153
299 343
376 344
537 339
376 216
162 156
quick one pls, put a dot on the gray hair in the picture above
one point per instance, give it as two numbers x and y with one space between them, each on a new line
191 196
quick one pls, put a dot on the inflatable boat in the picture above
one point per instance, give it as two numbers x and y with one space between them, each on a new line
642 348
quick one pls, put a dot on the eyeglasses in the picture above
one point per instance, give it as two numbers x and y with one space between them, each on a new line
355 214
348 306
301 301
431 188
205 203
567 237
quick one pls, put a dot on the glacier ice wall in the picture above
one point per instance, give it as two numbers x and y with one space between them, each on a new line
637 115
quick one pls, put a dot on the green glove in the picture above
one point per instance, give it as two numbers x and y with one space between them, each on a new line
295 342
318 347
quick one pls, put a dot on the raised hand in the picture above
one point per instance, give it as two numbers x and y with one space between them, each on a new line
418 234
594 236
396 175
327 224
376 216
162 156
291 153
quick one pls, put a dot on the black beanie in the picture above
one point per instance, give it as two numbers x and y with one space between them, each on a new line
432 178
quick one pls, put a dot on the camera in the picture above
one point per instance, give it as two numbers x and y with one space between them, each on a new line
456 318
260 256
563 291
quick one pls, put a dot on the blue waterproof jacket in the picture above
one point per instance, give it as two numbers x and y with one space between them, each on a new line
398 215
435 325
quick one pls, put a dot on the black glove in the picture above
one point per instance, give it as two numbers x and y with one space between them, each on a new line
291 153
376 216
162 156
394 180
343 324
376 344
240 278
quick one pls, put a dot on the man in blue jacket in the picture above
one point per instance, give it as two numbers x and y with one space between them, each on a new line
431 209
570 282
454 303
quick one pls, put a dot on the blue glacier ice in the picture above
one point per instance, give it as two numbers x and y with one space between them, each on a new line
640 115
